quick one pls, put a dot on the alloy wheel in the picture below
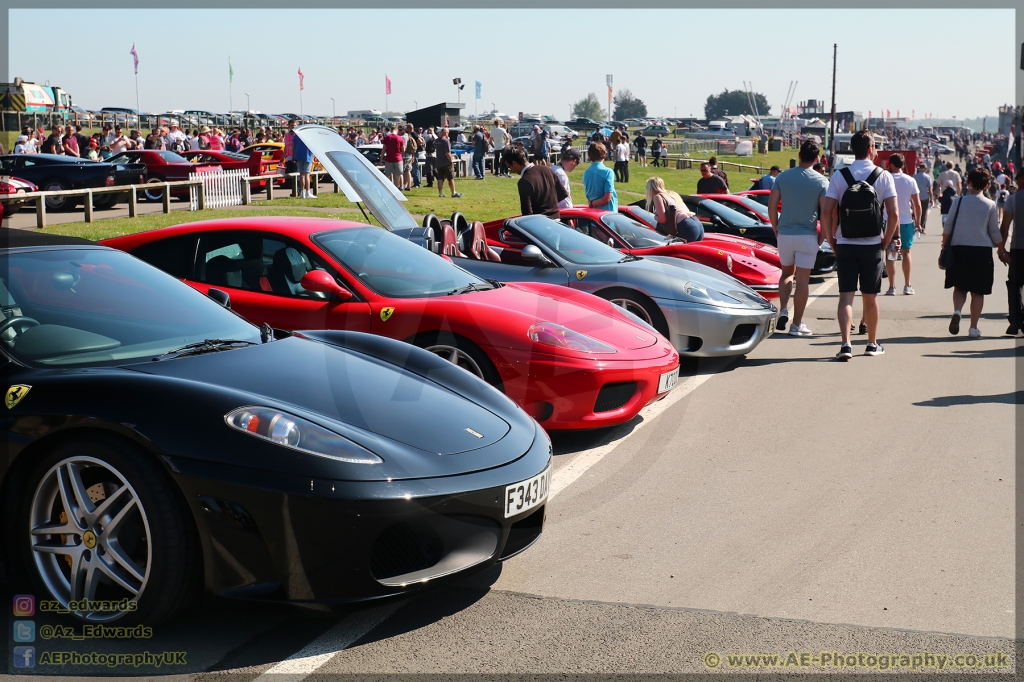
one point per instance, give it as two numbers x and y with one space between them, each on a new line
458 357
633 307
90 537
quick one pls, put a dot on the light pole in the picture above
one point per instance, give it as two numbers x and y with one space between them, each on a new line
334 111
415 104
247 107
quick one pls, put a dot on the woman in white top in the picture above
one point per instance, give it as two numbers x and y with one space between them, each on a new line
659 199
19 146
971 231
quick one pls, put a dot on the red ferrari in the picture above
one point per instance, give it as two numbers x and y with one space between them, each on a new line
570 359
727 242
161 166
629 236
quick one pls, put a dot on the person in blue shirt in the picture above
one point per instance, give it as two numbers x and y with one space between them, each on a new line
599 180
768 181
303 165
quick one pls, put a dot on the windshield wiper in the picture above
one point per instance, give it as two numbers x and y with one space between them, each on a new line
629 258
495 284
205 346
472 286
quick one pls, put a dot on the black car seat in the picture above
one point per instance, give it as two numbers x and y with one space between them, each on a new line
286 272
432 223
254 270
224 272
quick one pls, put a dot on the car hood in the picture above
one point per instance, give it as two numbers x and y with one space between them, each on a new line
579 311
420 427
667 277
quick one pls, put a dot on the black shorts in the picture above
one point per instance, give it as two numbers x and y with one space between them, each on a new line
973 270
862 262
443 173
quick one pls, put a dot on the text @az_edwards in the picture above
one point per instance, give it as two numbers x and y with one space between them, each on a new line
835 659
95 632
92 658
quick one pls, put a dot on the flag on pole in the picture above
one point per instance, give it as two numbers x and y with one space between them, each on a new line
135 56
609 94
912 113
478 87
387 85
301 77
888 113
231 71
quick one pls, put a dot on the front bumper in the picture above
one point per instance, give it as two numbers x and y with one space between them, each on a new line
273 536
566 393
708 331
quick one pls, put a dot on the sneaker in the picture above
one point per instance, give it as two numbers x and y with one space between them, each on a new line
456 195
310 195
908 290
440 196
302 194
891 291
845 353
954 324
799 330
974 333
874 349
783 319
863 328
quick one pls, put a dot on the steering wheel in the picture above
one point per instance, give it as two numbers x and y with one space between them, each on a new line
28 322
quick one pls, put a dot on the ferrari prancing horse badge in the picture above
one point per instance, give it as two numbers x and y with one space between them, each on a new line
580 274
385 314
15 394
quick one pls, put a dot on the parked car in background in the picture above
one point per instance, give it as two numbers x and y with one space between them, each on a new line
253 162
11 186
54 173
656 130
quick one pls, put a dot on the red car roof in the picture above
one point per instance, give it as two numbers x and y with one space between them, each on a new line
293 226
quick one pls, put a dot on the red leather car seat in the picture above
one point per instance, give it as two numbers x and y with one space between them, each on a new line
478 247
449 242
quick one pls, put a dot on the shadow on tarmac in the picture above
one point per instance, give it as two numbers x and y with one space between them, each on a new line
1013 398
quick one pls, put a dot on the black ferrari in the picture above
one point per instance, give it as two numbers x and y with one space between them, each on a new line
157 443
56 173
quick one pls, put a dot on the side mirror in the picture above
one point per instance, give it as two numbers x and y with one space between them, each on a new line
534 255
717 220
322 282
220 297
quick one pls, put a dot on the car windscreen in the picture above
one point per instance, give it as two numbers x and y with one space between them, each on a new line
371 189
567 242
750 208
81 307
736 218
644 215
392 266
171 157
635 234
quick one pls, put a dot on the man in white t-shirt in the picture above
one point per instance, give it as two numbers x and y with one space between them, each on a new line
860 258
499 140
622 160
908 199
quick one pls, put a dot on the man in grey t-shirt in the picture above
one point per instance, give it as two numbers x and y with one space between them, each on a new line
802 191
1015 256
924 186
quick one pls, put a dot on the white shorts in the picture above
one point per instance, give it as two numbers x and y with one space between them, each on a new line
801 249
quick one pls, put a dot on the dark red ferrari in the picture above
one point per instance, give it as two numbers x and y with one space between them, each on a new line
161 166
253 162
570 359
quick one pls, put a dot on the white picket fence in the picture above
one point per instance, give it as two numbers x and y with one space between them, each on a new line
220 188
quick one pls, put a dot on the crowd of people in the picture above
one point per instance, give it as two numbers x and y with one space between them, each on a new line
113 139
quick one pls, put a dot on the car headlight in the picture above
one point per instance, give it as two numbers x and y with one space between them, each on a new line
703 293
299 434
551 334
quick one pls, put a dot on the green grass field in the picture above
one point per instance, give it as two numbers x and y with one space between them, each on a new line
484 200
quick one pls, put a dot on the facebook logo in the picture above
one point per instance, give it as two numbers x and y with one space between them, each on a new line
24 631
24 657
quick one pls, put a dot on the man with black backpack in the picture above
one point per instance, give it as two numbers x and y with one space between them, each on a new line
852 222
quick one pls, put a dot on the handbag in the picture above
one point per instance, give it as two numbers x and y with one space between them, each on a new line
946 254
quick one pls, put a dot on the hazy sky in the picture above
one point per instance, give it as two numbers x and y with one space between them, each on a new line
679 58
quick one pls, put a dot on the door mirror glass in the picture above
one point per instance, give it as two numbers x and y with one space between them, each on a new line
221 297
533 254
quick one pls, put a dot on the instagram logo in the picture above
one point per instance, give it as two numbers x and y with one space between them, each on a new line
24 605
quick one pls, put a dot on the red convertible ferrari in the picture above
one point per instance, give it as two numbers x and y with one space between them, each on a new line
727 242
253 162
629 236
161 166
570 359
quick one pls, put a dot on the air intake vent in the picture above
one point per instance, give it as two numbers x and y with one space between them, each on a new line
613 396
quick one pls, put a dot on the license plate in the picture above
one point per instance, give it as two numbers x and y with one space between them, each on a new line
771 326
668 380
524 496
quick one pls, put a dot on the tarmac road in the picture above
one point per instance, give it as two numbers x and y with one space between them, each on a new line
782 502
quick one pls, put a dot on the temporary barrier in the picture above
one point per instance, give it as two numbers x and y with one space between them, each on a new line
220 188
